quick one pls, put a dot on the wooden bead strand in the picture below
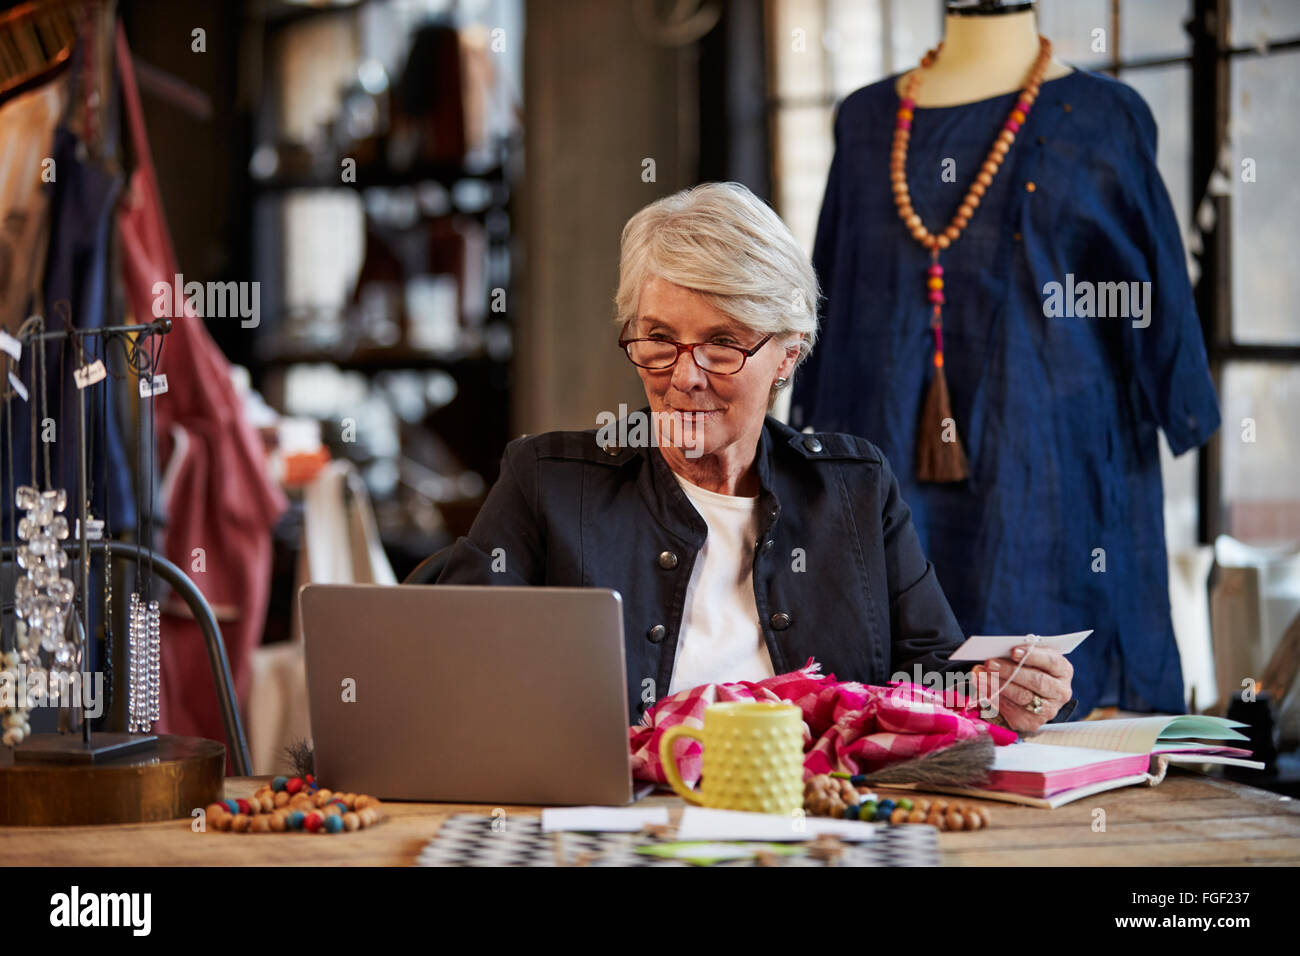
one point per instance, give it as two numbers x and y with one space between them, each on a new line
942 459
848 798
983 179
295 803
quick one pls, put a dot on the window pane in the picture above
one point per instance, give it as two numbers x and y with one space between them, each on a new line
799 66
1153 28
1266 138
914 28
1069 24
1166 91
1178 476
854 44
1261 453
804 143
1272 19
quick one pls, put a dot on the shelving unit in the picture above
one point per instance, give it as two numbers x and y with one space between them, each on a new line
473 193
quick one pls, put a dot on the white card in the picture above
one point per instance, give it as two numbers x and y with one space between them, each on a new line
18 386
150 387
983 648
703 823
11 345
601 819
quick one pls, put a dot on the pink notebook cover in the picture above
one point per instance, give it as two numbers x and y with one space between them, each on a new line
1047 784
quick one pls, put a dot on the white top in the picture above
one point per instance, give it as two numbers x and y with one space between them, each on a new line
720 638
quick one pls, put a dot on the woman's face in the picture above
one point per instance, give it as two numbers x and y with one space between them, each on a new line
716 411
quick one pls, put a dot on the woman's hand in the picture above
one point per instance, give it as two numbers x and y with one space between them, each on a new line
1039 689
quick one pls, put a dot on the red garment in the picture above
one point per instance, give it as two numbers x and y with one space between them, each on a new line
221 498
848 727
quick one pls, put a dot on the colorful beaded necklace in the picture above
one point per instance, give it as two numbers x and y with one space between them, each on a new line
295 803
940 457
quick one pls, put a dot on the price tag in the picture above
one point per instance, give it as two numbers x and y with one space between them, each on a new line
94 529
90 374
18 386
150 387
11 345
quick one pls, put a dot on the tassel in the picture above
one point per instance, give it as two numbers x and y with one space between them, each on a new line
965 763
300 757
936 459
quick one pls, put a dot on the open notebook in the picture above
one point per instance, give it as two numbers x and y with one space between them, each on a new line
1065 762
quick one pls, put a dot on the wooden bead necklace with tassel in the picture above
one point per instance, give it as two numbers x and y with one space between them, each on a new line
938 459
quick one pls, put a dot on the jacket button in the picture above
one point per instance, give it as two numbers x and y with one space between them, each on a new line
780 621
667 560
813 444
656 633
612 449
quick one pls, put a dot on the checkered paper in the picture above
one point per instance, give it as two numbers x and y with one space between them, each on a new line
468 839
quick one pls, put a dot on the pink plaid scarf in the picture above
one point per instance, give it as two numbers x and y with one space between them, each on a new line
849 727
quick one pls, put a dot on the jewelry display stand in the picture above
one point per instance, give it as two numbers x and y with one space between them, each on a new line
78 776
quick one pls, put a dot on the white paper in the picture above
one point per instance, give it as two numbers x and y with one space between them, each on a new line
983 648
1194 759
1137 735
11 345
19 388
601 819
701 823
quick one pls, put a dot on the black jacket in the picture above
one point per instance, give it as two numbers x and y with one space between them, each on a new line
838 571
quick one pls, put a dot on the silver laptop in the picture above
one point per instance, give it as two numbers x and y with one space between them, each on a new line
468 694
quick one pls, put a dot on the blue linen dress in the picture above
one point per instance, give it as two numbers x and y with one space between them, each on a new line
1060 526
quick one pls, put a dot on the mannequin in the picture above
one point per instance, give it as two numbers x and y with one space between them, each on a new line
983 55
1054 523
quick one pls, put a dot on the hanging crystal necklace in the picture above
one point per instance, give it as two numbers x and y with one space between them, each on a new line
42 596
939 455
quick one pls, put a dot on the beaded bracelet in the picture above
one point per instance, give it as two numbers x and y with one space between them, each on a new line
838 795
295 803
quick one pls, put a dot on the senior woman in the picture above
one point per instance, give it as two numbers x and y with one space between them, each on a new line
740 547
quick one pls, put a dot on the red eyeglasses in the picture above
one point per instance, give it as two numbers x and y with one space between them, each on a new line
660 354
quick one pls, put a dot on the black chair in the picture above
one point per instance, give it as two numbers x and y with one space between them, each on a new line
428 570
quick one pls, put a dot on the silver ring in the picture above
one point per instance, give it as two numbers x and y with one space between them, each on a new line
1036 705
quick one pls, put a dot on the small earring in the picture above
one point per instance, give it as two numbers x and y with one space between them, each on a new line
780 383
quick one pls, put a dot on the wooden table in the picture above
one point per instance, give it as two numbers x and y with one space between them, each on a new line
1189 819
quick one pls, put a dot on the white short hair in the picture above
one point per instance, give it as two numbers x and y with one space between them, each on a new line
723 242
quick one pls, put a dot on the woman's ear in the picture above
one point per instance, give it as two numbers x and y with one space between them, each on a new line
792 346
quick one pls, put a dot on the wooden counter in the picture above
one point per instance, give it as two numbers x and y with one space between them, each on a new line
1190 819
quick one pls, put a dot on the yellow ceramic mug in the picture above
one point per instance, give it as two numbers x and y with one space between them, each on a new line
753 757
